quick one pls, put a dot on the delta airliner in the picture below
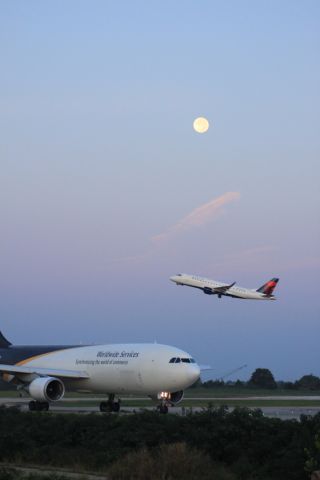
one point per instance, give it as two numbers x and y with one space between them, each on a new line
212 287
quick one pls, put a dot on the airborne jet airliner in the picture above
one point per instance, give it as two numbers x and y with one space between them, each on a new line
45 372
211 287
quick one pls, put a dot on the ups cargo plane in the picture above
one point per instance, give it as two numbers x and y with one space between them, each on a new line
45 372
212 287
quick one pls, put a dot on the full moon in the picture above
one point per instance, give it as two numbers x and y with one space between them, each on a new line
201 125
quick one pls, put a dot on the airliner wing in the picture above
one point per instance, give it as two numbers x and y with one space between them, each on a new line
205 367
42 372
223 289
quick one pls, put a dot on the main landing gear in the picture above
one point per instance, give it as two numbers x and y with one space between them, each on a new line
110 405
35 406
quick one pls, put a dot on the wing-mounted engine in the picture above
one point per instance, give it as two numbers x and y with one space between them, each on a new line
176 397
222 290
167 399
46 389
171 397
208 291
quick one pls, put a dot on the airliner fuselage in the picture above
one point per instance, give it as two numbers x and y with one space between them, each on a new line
212 287
159 371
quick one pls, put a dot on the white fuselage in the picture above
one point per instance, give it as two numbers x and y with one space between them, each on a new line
123 368
203 283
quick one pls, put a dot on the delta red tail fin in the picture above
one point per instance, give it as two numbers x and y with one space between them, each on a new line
268 287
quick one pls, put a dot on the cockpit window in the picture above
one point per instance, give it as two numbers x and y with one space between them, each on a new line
179 275
181 360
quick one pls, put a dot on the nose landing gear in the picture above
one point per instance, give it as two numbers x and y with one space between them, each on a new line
163 408
165 398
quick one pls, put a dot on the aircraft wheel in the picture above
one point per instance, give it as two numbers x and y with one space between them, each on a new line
163 409
38 406
106 407
103 406
109 406
44 406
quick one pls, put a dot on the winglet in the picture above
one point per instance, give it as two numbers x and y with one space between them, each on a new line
4 343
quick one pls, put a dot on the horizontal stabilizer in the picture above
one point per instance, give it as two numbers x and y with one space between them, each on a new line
42 372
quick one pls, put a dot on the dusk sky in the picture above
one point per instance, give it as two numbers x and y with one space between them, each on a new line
106 190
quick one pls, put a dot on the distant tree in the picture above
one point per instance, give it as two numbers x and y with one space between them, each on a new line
308 382
197 384
239 383
286 385
262 378
213 384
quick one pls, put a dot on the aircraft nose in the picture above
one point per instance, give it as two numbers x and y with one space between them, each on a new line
172 278
193 373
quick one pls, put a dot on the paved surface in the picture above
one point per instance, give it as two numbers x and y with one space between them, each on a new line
45 471
288 412
209 399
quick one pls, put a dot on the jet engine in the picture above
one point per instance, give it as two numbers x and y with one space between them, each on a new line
46 389
176 397
208 291
171 397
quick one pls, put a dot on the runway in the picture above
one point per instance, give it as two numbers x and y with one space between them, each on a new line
282 412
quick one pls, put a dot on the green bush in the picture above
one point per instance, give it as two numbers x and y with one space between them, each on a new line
168 462
247 443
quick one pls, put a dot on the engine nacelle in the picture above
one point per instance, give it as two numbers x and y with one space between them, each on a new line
208 291
46 389
176 397
171 397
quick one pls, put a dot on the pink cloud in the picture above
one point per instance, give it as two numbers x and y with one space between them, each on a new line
198 217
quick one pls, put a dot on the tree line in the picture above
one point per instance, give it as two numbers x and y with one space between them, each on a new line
263 378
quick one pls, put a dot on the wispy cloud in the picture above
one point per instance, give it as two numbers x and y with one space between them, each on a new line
198 217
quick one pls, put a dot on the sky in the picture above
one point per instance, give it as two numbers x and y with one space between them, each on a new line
106 190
